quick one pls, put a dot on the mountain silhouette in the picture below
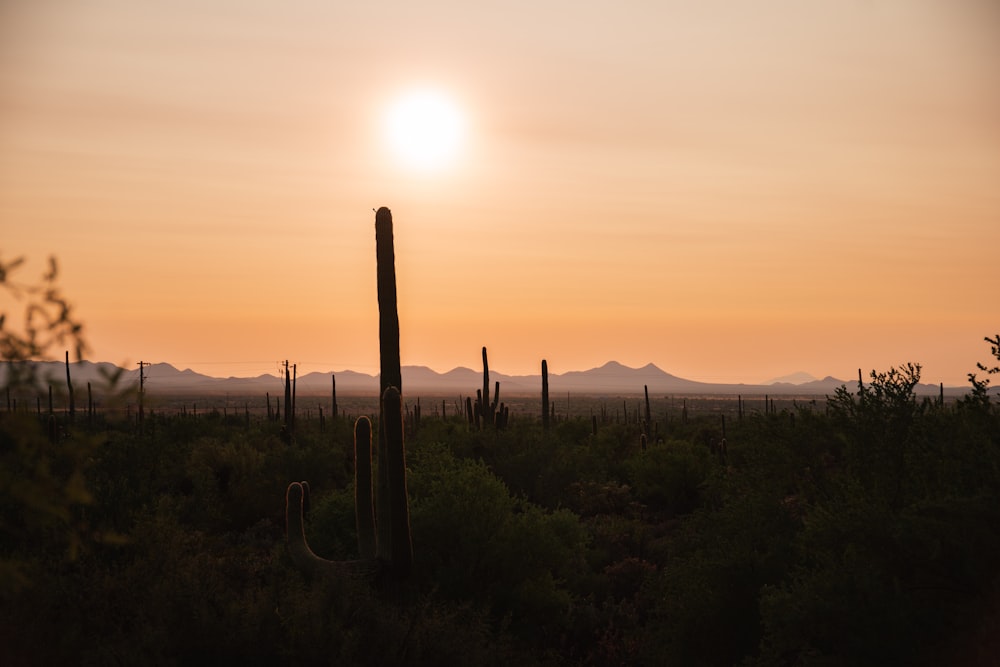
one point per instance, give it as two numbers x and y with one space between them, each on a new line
611 378
794 378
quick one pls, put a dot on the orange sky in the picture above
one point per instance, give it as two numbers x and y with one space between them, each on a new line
731 190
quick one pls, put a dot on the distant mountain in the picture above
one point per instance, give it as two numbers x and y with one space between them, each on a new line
800 377
827 385
612 378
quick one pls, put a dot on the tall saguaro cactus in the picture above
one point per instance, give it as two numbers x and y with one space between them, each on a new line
388 317
385 544
390 511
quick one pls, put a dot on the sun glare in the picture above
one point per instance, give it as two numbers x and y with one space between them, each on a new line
424 129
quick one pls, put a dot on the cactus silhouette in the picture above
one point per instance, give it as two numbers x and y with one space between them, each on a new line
333 409
383 549
364 507
649 417
486 412
384 542
393 541
545 394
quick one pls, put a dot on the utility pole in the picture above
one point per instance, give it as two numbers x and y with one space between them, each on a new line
288 396
142 389
69 386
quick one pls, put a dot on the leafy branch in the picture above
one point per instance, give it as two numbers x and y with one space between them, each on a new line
49 321
980 388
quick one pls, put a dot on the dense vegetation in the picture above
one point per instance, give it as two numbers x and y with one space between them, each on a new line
865 530
862 531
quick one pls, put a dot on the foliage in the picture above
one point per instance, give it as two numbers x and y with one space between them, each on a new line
42 487
48 321
980 388
42 491
863 531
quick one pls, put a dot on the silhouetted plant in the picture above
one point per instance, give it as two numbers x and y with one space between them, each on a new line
393 548
364 500
334 413
485 412
649 418
42 486
392 513
545 394
48 317
384 550
980 388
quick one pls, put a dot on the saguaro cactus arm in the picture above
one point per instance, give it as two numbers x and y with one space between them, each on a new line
392 551
363 500
298 547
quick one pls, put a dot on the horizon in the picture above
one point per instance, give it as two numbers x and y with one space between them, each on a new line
799 378
732 193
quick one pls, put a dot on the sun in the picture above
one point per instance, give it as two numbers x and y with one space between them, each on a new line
424 128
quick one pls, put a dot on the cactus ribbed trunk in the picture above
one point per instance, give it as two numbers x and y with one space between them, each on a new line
384 540
391 508
397 550
649 416
487 418
495 405
388 318
363 499
333 410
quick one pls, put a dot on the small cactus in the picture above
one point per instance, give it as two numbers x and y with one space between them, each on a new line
333 408
649 416
545 394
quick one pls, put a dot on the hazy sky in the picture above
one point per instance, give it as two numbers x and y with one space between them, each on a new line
730 190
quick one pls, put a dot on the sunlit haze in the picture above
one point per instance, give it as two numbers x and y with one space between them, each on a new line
424 129
732 191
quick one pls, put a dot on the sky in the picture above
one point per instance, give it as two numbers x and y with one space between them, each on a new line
733 191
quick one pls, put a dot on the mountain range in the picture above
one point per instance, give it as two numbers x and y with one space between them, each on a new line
612 378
